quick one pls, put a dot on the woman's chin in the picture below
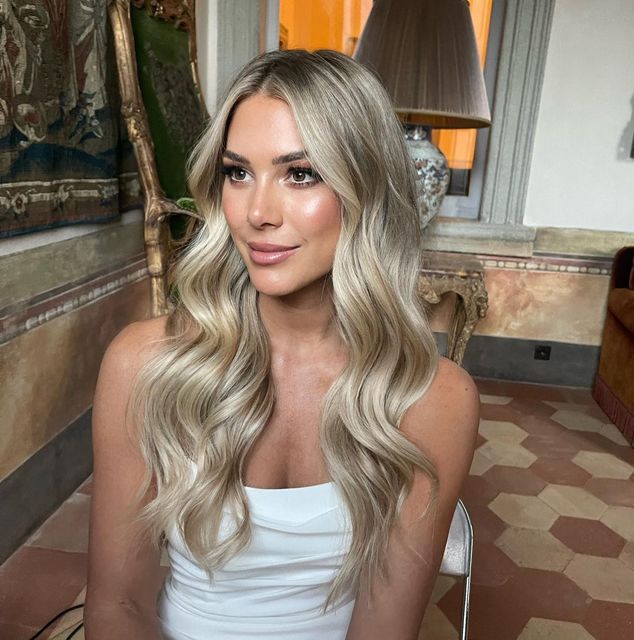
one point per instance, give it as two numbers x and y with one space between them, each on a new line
280 288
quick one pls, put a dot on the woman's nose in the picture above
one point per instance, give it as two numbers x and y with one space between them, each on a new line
265 207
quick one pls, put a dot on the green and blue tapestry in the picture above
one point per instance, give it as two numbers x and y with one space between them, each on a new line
64 153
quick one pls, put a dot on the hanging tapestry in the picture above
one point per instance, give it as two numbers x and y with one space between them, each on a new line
64 153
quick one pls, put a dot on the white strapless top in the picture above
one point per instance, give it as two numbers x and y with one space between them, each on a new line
275 589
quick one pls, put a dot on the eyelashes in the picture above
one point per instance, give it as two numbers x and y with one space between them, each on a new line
231 170
238 174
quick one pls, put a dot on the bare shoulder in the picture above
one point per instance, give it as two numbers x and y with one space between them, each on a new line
443 423
451 402
132 347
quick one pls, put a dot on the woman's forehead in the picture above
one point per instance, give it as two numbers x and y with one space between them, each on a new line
265 126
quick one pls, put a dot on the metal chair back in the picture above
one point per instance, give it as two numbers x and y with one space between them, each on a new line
457 558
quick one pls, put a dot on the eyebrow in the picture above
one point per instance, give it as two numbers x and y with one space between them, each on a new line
283 159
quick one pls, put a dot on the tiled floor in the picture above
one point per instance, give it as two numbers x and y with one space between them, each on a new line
552 502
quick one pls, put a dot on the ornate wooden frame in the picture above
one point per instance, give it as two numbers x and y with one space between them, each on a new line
463 275
157 205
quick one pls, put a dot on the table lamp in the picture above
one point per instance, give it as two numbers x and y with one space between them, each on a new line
425 53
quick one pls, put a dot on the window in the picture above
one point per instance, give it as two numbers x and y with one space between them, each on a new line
337 24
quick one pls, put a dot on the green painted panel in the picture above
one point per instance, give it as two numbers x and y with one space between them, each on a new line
174 111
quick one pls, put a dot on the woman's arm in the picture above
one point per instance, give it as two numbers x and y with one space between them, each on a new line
444 425
124 574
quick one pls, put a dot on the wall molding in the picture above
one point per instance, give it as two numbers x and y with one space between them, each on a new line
565 264
580 242
499 239
525 38
26 315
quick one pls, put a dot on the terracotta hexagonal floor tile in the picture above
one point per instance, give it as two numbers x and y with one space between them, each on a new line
547 594
598 442
611 432
498 412
568 406
487 527
540 426
620 520
489 385
603 465
578 395
491 567
480 464
16 631
86 487
441 586
477 490
542 629
531 406
514 480
528 391
513 455
523 511
610 620
67 528
597 412
534 549
577 421
612 492
557 471
573 501
602 578
551 447
37 583
590 537
502 431
627 555
436 625
589 441
493 615
486 398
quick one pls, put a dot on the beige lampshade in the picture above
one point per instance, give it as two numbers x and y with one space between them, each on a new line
425 53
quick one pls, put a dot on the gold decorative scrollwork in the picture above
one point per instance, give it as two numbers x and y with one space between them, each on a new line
444 273
157 206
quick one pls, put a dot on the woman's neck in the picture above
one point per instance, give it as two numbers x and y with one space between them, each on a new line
300 322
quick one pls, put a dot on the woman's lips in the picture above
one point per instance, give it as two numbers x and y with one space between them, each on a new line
265 254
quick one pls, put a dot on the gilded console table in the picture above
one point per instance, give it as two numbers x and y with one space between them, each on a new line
462 274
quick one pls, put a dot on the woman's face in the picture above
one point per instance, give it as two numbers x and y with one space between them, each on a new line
283 218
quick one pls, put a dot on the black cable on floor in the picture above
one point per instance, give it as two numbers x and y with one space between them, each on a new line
57 617
81 624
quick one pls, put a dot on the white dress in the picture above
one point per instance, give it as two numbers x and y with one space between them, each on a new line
275 589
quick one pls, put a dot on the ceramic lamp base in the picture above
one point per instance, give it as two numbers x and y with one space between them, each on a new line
432 168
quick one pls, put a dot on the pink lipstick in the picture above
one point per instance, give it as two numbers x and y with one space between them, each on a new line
264 254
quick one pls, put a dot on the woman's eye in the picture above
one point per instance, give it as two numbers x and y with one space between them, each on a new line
302 176
236 174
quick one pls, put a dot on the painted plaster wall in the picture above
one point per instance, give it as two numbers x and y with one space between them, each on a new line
581 173
531 305
49 373
62 299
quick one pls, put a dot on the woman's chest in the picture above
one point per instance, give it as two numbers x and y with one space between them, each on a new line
287 451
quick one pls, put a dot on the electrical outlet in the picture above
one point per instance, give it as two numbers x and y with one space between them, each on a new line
542 352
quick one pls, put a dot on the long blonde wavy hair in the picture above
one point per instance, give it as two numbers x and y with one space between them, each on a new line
207 395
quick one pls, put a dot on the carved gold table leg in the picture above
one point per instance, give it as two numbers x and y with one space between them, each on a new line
442 276
471 305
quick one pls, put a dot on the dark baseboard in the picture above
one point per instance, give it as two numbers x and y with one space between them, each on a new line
570 365
39 486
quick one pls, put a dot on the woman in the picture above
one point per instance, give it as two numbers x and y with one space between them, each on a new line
292 433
